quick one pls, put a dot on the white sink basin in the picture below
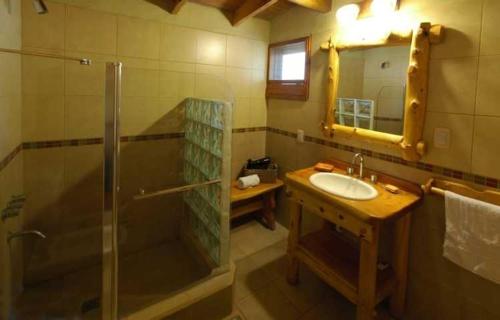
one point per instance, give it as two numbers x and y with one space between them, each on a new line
343 186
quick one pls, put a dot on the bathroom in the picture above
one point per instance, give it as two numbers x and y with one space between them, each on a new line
125 124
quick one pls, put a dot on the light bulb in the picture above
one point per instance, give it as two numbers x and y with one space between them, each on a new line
383 7
347 14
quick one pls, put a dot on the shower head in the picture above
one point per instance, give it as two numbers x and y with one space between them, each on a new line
40 7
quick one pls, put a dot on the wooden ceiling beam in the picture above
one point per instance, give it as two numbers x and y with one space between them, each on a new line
173 6
250 8
317 5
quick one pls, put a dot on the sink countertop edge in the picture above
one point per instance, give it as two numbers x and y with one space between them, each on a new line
300 179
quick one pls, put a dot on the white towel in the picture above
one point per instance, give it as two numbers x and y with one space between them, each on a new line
248 181
472 238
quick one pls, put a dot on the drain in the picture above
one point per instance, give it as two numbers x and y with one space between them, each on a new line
91 304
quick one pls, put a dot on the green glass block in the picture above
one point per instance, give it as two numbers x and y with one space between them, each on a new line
217 115
216 142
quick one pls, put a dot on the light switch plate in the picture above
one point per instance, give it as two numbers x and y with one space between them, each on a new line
442 138
300 135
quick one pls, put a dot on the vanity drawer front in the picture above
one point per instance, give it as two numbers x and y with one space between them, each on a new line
331 213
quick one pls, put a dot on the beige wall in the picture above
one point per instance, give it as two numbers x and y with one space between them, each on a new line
463 94
10 138
166 59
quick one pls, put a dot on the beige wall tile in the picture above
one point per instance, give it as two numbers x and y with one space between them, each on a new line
240 81
452 85
463 22
138 38
83 117
240 52
458 155
43 117
490 38
43 31
241 113
209 86
485 146
488 94
42 76
140 82
211 48
258 112
85 80
176 84
178 43
10 74
139 115
10 124
91 31
259 54
10 24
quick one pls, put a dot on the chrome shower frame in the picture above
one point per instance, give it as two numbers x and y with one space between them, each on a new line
111 190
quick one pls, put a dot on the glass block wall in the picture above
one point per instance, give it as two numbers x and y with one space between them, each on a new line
207 156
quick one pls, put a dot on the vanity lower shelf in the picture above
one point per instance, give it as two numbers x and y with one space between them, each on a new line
336 261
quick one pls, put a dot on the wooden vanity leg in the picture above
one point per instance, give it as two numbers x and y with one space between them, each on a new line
400 264
367 287
295 211
269 204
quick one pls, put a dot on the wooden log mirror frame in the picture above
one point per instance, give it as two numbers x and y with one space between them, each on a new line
410 144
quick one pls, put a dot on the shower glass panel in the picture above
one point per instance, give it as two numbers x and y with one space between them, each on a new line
54 270
173 222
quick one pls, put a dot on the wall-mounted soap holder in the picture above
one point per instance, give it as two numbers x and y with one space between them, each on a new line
14 207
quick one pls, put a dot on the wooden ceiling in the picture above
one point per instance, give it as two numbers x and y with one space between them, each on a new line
238 11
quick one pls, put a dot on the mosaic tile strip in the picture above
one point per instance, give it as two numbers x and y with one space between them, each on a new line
468 177
82 142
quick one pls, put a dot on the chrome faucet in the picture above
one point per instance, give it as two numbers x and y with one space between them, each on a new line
361 163
13 235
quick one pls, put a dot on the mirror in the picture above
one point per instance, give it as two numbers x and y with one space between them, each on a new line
372 87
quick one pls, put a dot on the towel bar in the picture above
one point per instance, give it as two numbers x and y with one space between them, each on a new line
438 186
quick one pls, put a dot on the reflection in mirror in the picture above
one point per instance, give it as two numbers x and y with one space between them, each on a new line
372 86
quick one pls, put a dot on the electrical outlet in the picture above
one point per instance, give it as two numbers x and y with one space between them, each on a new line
442 138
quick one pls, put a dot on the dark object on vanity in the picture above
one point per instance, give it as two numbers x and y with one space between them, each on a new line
264 168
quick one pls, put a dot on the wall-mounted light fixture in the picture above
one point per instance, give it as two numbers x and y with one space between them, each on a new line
367 8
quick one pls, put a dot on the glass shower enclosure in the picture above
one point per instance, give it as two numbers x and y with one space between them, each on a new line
148 219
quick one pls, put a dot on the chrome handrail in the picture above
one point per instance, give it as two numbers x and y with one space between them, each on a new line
13 235
142 195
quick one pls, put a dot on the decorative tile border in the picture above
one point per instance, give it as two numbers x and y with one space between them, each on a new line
92 141
5 161
469 177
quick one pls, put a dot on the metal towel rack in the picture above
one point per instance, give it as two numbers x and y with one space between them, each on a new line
83 61
439 186
142 195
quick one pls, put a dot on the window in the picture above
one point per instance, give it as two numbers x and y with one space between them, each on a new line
288 69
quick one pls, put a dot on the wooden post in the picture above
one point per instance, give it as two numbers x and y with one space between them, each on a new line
333 84
268 205
400 264
295 211
367 281
416 93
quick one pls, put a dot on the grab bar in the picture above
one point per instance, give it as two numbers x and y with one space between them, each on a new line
13 235
188 187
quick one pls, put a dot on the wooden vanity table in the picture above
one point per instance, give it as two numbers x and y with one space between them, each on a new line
351 267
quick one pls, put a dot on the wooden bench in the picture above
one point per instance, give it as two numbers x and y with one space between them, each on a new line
260 198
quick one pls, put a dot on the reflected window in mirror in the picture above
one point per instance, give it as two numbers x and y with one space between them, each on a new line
372 87
288 69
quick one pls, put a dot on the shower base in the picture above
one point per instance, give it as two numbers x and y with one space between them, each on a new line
145 278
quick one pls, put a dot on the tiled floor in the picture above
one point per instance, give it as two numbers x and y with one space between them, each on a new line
261 290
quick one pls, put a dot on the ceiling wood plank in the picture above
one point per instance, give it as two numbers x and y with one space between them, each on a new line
250 8
317 5
173 6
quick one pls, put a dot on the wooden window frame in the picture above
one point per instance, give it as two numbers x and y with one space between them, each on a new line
290 89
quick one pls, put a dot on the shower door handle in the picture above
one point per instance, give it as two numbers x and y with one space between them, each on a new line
188 187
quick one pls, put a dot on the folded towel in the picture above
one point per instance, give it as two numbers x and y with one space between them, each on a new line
472 238
248 181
